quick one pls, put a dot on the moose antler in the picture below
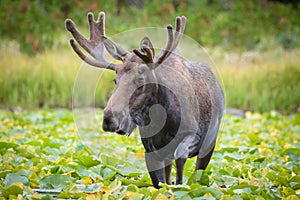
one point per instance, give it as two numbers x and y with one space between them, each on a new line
145 53
94 46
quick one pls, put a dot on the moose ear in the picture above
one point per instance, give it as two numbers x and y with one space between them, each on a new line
115 50
147 43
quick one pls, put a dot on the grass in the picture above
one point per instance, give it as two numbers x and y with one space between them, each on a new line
252 81
262 81
42 81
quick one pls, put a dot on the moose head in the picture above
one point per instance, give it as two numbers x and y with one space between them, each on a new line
138 66
145 83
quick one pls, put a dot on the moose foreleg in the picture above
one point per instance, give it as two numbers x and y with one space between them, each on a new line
168 171
179 169
158 176
156 169
203 162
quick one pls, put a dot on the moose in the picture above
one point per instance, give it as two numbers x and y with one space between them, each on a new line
176 104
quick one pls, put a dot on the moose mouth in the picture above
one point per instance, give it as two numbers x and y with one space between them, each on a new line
126 127
121 132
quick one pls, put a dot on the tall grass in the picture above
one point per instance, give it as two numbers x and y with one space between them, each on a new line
42 81
253 81
262 81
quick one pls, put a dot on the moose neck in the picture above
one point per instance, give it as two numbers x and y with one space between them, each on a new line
159 128
160 95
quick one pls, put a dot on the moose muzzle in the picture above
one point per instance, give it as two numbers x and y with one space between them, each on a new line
109 123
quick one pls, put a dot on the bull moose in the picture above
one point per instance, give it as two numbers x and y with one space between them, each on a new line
177 104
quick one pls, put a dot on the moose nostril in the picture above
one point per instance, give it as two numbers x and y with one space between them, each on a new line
105 126
109 124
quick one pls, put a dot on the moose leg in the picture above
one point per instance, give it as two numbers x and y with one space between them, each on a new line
157 176
203 162
168 170
179 169
156 170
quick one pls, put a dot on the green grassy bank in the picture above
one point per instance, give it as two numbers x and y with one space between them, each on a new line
252 81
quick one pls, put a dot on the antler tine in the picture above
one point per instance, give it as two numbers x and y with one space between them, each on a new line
95 63
101 23
70 25
149 53
97 28
173 40
178 23
167 51
139 54
92 24
101 27
147 57
95 44
180 26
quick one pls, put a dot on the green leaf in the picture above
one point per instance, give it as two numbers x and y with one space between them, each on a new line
47 197
79 195
259 160
143 182
87 160
115 184
145 191
132 188
199 177
181 194
108 160
56 169
254 138
129 171
24 151
234 156
14 177
64 195
11 190
175 187
296 169
4 173
107 173
199 191
91 188
242 188
24 172
55 181
161 193
295 182
271 175
7 145
294 151
229 149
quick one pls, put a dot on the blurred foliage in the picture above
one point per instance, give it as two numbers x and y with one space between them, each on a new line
262 81
47 80
41 157
232 29
231 24
252 81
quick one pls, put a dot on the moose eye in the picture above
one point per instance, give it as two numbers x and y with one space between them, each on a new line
139 81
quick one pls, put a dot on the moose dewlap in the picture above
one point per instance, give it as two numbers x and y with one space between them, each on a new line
176 104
